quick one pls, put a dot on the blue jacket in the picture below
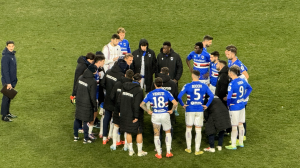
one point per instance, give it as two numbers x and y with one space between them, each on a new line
9 68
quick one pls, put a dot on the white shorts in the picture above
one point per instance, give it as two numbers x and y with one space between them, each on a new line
162 119
206 81
194 118
237 117
212 88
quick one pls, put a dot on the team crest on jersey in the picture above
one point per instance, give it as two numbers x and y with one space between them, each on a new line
137 56
171 58
162 58
149 55
202 57
124 44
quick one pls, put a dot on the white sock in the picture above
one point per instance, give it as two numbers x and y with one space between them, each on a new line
130 147
241 134
91 128
125 135
140 147
188 137
198 139
233 135
115 136
101 125
104 138
111 128
168 142
157 144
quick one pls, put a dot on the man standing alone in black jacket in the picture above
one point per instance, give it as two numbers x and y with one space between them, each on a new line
9 77
223 81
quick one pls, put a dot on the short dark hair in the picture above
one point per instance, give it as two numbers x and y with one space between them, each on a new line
10 42
90 56
99 58
167 43
232 48
129 73
128 55
207 37
158 82
115 36
216 54
196 72
165 70
137 77
200 44
144 44
223 62
235 69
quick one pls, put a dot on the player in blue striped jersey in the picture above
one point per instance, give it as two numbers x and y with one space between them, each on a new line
124 44
194 107
230 53
214 73
207 42
238 91
158 99
201 61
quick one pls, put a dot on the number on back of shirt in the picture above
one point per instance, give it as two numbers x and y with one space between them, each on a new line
241 91
159 102
197 93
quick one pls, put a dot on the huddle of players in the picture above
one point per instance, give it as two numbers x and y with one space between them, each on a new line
128 105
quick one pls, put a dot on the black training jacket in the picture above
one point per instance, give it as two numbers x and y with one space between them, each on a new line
150 63
222 84
129 100
82 65
217 117
172 61
111 77
114 97
86 103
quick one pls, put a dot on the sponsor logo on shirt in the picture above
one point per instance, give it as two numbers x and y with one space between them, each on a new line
83 83
127 94
196 103
167 88
111 77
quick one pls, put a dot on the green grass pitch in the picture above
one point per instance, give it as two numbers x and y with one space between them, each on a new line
51 35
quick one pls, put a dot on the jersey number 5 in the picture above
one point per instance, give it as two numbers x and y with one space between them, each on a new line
197 93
